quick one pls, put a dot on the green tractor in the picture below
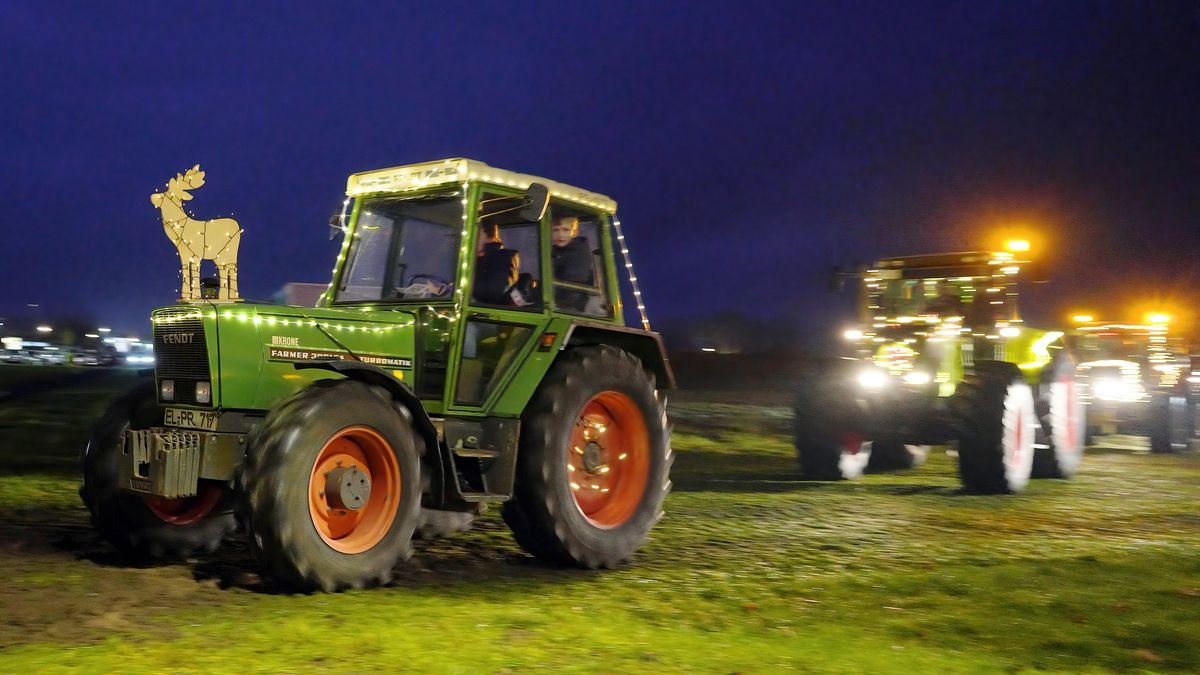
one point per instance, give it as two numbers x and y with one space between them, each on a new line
1137 379
942 356
470 349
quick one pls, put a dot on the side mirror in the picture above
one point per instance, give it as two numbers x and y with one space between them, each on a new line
537 198
335 226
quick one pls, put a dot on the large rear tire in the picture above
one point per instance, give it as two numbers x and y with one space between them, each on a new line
151 527
332 479
1064 421
828 426
996 424
593 463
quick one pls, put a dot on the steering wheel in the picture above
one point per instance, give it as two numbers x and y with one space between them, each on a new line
425 286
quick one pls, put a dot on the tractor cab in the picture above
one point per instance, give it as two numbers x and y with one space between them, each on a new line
924 317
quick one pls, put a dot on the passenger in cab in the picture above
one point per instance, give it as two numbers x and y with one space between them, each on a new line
572 259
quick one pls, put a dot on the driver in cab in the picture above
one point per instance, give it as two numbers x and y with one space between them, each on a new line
496 269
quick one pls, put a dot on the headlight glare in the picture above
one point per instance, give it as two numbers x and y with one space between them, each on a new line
872 379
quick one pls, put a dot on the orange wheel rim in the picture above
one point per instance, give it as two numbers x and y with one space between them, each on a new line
361 456
186 510
608 459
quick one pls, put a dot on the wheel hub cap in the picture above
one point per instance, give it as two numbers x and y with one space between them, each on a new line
593 457
347 488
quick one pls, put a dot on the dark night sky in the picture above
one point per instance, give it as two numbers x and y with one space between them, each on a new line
751 146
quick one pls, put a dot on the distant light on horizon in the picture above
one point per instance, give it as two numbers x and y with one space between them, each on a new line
44 329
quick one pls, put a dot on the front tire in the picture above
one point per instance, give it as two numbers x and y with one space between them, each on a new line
593 463
828 425
144 526
333 485
996 425
1064 422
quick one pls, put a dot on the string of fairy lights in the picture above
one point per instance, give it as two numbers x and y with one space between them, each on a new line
418 177
633 281
256 319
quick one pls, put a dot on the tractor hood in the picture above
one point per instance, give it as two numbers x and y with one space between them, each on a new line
245 354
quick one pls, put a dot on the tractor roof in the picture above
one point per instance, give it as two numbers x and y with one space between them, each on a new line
966 263
460 170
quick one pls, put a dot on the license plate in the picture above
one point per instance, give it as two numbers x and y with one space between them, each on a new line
190 419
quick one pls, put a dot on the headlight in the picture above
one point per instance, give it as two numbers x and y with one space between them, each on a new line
917 377
166 390
872 379
203 392
1112 389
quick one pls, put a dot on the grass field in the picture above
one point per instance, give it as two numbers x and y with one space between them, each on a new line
752 570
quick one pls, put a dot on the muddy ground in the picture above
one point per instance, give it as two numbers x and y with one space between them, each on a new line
753 570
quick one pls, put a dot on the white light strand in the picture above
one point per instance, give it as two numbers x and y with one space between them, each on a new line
628 260
463 259
341 254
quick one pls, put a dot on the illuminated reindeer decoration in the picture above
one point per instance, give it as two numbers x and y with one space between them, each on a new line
199 240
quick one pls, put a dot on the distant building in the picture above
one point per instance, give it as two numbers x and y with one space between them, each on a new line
299 294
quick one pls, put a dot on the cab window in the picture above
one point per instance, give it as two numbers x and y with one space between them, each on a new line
508 269
403 249
580 286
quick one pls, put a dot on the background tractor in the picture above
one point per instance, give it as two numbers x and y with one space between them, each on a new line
470 349
1135 379
942 356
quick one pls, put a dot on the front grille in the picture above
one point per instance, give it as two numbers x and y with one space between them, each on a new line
180 353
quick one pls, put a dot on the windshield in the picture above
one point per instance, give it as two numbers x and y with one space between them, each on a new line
403 249
977 300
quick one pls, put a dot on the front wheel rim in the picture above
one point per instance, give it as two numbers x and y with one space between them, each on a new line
186 510
608 459
355 530
1019 425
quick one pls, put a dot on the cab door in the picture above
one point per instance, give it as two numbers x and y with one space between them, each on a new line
505 311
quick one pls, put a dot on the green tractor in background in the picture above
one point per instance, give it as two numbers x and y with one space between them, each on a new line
470 349
942 356
1137 378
